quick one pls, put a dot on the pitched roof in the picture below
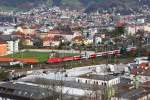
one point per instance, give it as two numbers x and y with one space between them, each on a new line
100 77
58 38
79 38
46 39
2 41
8 38
24 91
63 32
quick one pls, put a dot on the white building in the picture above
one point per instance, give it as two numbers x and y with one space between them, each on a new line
12 43
104 80
98 40
13 46
132 29
7 30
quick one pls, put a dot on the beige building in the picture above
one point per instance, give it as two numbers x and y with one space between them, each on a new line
26 30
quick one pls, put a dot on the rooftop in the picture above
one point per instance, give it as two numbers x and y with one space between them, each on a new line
133 94
2 41
8 38
70 84
24 91
98 77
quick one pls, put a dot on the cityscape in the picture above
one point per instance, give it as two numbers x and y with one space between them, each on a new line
74 50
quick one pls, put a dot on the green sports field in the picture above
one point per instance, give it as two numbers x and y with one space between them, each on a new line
41 56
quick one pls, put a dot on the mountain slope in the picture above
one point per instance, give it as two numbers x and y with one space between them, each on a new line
90 5
20 4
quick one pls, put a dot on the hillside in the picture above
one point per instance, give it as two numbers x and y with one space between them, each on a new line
90 5
19 4
93 5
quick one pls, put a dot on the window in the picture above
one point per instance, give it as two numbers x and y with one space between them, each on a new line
94 82
19 92
25 93
43 94
78 81
97 82
31 95
86 81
